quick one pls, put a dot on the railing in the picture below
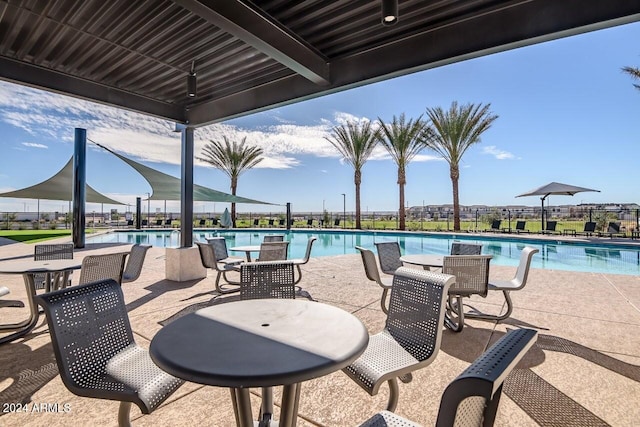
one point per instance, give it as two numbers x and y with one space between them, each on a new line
427 219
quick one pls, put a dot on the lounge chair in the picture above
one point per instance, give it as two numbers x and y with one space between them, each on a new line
281 223
273 238
589 230
473 397
612 230
167 223
403 347
256 222
158 223
310 222
506 286
129 223
96 353
271 223
373 274
202 223
336 222
520 227
214 222
550 228
471 278
495 226
389 256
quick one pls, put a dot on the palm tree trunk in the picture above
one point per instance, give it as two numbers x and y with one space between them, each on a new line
454 172
234 186
357 178
402 180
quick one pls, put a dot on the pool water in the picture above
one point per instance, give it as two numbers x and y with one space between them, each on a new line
553 255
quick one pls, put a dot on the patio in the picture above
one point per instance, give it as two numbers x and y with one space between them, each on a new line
584 369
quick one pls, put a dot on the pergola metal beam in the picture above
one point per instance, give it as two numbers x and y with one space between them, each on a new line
264 34
516 25
41 78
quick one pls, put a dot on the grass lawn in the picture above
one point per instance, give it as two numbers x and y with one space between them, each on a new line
33 236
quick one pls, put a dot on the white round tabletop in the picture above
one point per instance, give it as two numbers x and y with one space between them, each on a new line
22 266
423 259
259 343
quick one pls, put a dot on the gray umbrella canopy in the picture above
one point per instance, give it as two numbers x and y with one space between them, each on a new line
555 188
167 187
59 187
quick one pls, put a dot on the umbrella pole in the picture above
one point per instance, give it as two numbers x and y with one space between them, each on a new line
542 215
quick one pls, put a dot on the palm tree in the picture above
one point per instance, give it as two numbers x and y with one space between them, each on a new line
403 140
355 142
233 158
633 72
454 131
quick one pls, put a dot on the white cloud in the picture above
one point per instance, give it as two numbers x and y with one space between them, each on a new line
497 153
34 145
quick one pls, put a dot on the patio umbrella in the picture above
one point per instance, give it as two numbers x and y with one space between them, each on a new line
554 188
225 220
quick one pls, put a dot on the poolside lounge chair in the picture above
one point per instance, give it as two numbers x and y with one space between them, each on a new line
389 256
520 227
336 222
133 268
473 397
96 353
273 238
472 278
589 230
129 223
256 222
612 230
310 222
167 223
372 273
214 222
551 228
144 222
402 347
495 225
202 223
158 223
281 223
506 286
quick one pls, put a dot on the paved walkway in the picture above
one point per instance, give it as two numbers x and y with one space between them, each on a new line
583 371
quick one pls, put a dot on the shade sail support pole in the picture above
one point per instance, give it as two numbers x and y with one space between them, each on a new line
186 189
79 187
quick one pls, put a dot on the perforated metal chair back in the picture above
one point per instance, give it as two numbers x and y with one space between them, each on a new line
389 256
273 238
53 251
459 248
102 267
95 350
260 280
471 271
133 268
220 247
472 399
273 251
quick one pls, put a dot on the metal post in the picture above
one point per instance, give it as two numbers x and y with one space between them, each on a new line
186 189
288 215
138 213
344 210
79 187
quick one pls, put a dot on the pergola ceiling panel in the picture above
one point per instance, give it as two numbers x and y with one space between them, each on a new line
249 56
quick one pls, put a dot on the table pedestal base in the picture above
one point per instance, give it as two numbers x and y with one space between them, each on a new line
241 401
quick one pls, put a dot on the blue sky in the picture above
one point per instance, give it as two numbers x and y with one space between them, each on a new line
566 113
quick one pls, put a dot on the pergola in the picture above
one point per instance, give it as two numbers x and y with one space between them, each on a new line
251 56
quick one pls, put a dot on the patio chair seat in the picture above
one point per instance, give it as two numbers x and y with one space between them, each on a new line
405 344
472 398
95 351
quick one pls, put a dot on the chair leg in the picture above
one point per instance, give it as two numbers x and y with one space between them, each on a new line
219 287
299 275
124 419
266 407
498 317
394 392
456 309
11 303
384 307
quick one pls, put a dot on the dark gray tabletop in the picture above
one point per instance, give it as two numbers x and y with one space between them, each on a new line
259 343
22 266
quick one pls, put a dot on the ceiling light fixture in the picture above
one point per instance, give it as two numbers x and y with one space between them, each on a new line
389 12
192 83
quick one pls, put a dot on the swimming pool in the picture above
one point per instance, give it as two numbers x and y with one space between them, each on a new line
553 255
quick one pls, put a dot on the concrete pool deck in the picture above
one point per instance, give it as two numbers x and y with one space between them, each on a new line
584 369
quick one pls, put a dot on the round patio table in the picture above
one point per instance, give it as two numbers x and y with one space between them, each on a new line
260 343
246 249
426 261
59 269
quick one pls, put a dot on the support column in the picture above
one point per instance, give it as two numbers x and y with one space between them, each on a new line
79 187
138 213
288 215
186 189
